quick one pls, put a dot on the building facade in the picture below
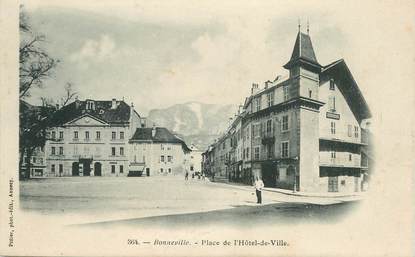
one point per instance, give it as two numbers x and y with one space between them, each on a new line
302 132
194 159
90 138
156 151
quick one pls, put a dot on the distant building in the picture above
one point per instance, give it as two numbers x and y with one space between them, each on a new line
301 133
194 158
32 114
156 151
90 138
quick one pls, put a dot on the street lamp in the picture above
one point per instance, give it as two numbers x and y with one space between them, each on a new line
295 175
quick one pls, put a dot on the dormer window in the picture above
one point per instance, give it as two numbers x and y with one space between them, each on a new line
332 86
90 105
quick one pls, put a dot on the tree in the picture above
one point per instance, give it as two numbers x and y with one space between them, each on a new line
35 63
36 66
34 123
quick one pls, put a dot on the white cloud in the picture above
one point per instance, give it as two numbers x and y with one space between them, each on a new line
96 50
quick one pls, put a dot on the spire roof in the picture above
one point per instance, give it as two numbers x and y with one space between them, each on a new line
303 49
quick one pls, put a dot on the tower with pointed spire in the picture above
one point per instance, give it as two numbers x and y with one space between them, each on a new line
304 67
304 78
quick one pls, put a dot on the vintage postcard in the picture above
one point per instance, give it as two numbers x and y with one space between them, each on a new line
207 128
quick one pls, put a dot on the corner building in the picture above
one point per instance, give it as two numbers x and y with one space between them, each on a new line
303 133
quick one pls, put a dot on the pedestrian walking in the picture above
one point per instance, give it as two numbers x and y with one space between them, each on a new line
259 185
186 176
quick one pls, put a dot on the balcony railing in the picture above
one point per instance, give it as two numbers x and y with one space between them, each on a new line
340 162
267 138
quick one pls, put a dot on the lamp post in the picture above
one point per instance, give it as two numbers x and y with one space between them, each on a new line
295 175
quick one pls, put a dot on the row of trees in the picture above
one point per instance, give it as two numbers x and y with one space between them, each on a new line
36 66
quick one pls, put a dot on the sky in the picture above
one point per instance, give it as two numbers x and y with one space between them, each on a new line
157 54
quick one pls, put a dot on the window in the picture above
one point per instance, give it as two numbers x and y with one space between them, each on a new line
162 147
113 135
121 169
356 131
284 149
122 151
60 150
53 134
52 168
332 86
332 103
170 158
162 158
87 135
75 134
349 130
113 151
112 169
286 95
269 126
122 135
256 154
350 157
270 98
53 151
161 170
310 93
284 124
60 134
60 168
333 127
247 153
169 170
258 103
34 159
333 155
270 151
98 135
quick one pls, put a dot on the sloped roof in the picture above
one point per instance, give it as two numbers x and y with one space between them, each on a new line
339 71
162 135
102 111
303 50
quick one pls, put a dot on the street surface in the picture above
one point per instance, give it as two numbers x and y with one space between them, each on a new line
169 201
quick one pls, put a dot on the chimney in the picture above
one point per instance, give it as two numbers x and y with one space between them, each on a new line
114 103
254 88
143 122
267 84
153 131
77 103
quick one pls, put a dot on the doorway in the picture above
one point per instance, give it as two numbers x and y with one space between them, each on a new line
86 166
97 169
75 169
148 172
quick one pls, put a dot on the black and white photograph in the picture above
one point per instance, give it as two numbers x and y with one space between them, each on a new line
186 128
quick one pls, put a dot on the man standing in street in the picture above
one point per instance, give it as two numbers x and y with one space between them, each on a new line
259 185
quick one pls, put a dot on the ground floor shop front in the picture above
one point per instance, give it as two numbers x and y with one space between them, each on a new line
285 174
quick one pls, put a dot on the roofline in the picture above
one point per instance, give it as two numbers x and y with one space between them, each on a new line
342 62
83 115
